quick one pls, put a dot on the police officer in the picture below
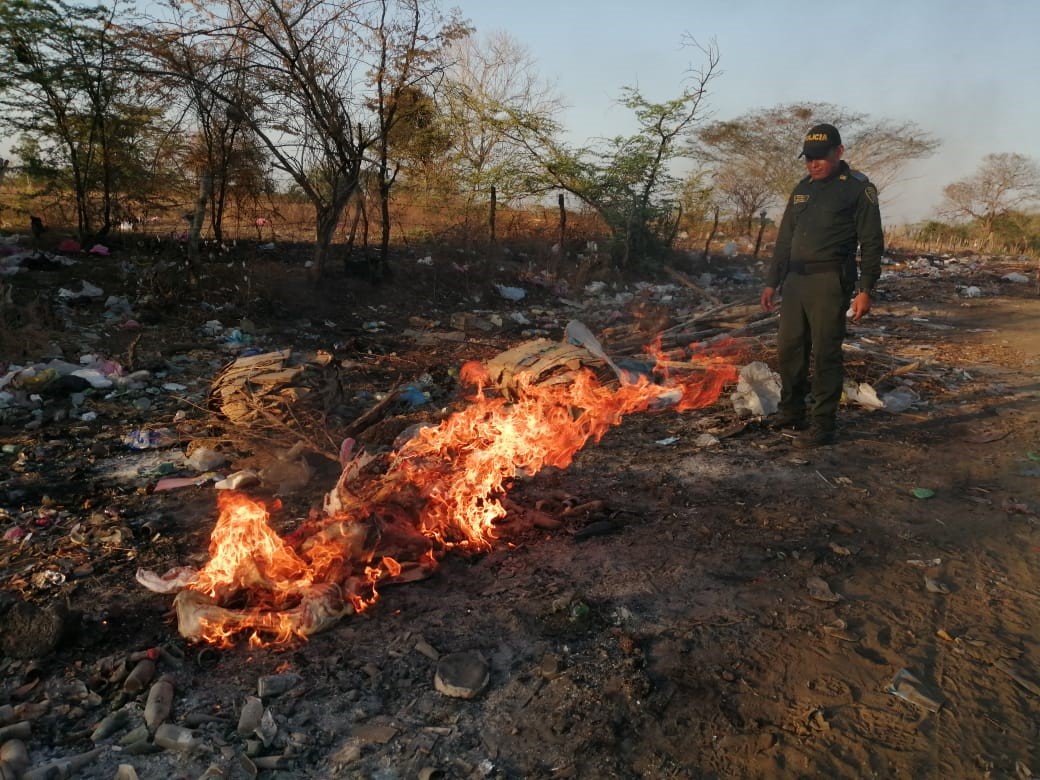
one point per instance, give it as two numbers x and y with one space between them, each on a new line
831 212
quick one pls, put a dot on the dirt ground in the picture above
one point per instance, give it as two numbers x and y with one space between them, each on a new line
739 610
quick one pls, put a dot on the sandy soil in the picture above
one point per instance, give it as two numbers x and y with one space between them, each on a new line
744 610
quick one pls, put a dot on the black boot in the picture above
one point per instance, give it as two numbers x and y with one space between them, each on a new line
787 421
818 435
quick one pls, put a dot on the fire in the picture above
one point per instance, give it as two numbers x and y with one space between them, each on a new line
443 489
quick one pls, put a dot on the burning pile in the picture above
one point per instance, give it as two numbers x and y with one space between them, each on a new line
442 489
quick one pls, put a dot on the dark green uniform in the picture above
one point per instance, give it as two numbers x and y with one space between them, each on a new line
815 263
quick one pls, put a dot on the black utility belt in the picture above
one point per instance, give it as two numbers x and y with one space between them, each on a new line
805 269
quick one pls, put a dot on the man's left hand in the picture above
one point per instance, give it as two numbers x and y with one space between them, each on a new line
860 306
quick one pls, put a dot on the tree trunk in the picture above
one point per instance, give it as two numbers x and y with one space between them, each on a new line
359 208
219 207
205 187
675 227
327 215
384 239
758 238
628 236
711 237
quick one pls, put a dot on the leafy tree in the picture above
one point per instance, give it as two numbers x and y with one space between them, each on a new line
315 82
295 80
627 180
64 84
219 146
764 144
1003 184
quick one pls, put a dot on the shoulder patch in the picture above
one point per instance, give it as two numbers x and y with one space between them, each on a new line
859 175
871 192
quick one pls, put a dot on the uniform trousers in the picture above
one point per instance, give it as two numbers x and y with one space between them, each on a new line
812 324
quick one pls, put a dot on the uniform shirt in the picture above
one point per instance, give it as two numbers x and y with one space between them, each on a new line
825 221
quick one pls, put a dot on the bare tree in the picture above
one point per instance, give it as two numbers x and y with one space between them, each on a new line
764 144
409 39
297 82
1002 184
197 74
744 193
492 79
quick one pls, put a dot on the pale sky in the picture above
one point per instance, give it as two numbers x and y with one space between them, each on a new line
965 71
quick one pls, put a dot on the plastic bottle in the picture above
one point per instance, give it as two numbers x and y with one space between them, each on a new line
139 677
160 700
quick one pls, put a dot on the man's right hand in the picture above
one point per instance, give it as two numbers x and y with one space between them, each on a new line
767 298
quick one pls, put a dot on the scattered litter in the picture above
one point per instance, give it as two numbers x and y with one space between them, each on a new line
838 629
173 483
933 585
288 472
413 395
1012 506
1015 277
908 687
985 437
239 480
705 440
462 675
141 439
86 291
205 459
511 293
899 400
667 441
174 580
758 391
971 292
864 395
922 493
925 563
821 591
578 334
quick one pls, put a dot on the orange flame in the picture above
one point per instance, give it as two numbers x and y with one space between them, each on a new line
442 489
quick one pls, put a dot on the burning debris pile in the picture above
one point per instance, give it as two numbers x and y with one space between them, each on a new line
440 490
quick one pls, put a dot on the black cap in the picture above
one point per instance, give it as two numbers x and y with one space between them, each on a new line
820 140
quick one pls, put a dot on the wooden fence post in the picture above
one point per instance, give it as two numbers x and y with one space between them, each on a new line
563 222
491 217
